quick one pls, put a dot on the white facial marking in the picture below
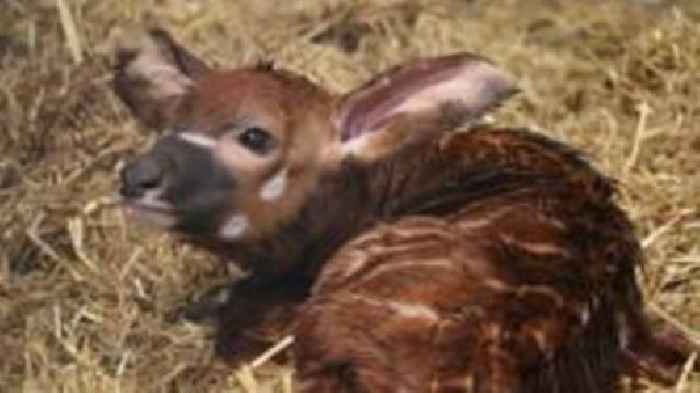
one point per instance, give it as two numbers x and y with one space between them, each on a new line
274 188
234 228
198 139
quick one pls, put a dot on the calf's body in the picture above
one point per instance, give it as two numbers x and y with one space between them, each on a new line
526 287
492 260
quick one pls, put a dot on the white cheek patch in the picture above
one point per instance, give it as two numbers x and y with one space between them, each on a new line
274 188
198 139
234 227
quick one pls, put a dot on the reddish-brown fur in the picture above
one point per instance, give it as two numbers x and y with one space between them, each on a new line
494 260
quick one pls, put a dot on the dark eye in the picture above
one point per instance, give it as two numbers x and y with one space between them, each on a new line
256 139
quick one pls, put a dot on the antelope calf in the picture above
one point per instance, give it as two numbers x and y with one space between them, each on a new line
492 260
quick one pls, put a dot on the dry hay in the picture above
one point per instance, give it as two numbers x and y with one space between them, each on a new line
84 300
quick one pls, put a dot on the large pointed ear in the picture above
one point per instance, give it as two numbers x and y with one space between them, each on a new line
415 102
153 73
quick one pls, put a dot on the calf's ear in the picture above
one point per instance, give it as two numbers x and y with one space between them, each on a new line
152 75
415 102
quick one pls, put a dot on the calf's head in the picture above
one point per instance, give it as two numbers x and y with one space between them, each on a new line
243 150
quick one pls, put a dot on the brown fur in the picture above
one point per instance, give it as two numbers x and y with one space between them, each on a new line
494 260
529 271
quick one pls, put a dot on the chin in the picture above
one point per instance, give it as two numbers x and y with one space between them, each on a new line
156 217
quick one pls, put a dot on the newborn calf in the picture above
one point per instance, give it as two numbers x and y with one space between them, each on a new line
493 260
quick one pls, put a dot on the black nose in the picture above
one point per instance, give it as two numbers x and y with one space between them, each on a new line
140 176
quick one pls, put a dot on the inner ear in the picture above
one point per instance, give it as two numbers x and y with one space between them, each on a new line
186 62
433 93
153 73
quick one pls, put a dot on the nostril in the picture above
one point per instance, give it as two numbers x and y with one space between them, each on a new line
150 183
141 176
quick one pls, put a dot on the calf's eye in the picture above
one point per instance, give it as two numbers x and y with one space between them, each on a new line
256 140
